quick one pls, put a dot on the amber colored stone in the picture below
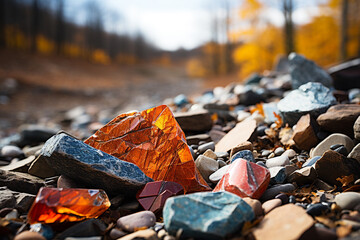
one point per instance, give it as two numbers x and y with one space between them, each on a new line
153 196
154 141
245 179
67 205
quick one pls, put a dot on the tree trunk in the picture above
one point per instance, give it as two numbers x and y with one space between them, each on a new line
34 25
344 28
60 33
289 26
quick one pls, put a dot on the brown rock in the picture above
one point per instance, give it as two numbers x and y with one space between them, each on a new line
306 175
269 205
21 182
147 234
195 139
239 134
198 121
357 128
333 165
242 146
283 223
340 118
216 135
255 205
19 166
304 133
41 168
27 235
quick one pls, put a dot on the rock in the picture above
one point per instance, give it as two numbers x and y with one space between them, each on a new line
304 133
285 136
283 223
238 135
290 153
40 168
355 153
312 98
206 215
45 230
216 176
32 151
28 235
303 70
340 119
116 233
347 200
345 75
270 205
255 205
270 193
342 150
242 146
305 175
24 201
210 154
265 153
356 128
333 165
206 166
66 182
203 147
252 181
153 196
283 197
311 161
335 138
11 151
319 233
317 209
19 166
147 234
197 121
21 182
277 175
277 161
7 198
195 139
278 151
85 229
92 167
244 154
216 135
35 134
221 163
136 221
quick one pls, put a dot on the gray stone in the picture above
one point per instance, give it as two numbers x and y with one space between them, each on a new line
216 176
312 98
203 147
335 138
206 166
206 215
21 182
270 193
347 200
92 167
24 201
197 121
278 161
355 153
221 163
137 221
7 198
277 175
244 154
11 151
303 71
86 230
333 165
311 161
278 151
195 139
30 151
290 153
35 134
356 129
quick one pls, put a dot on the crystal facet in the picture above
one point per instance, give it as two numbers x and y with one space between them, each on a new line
245 179
154 141
67 205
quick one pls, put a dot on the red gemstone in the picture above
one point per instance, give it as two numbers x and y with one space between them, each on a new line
153 196
245 179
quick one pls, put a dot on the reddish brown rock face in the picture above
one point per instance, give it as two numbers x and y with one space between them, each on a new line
154 141
245 179
153 196
67 205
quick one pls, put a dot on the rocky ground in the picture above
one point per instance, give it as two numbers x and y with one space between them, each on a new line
275 158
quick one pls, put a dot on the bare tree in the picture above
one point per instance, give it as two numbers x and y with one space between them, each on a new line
289 26
60 27
344 29
34 24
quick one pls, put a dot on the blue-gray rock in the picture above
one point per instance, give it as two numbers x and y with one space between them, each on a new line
203 147
277 175
244 154
92 167
11 151
311 98
35 134
311 161
180 100
270 193
303 71
317 209
206 215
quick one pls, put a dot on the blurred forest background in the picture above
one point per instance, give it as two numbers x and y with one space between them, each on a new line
51 54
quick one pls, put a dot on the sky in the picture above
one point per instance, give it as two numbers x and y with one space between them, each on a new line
174 24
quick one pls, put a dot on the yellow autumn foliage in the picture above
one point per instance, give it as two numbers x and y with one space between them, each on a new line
99 56
44 45
195 68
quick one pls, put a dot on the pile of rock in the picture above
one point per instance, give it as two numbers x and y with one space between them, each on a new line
276 158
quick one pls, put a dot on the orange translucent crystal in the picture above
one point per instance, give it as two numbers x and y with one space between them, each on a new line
154 141
56 205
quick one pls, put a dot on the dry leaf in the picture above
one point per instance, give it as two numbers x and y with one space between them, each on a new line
346 180
258 108
343 231
279 121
